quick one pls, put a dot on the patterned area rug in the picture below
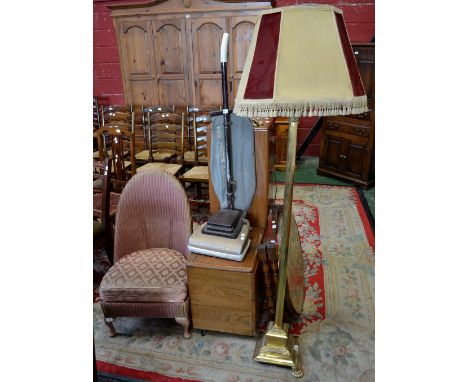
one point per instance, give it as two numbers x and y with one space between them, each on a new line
336 328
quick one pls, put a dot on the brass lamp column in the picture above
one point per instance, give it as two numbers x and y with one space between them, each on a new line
300 64
276 346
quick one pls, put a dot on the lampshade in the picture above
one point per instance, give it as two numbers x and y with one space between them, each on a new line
300 64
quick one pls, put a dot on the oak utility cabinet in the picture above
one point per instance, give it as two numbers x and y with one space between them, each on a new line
169 49
225 295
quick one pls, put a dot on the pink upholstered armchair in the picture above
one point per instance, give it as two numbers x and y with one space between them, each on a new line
148 278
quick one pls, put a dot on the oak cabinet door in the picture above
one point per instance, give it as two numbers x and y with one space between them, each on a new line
240 31
347 156
353 157
138 62
331 148
206 34
171 61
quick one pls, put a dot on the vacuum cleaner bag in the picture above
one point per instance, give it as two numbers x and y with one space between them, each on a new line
242 159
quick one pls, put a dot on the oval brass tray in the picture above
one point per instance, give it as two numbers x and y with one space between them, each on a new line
295 271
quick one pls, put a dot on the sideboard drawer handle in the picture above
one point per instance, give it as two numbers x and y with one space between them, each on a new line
359 131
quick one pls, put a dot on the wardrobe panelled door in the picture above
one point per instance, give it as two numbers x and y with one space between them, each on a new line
169 50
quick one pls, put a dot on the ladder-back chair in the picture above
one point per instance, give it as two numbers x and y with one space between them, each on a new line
165 130
117 141
200 119
102 222
160 133
111 115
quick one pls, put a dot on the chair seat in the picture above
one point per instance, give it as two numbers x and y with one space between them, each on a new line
97 204
96 154
196 174
189 156
161 156
97 184
149 275
127 164
170 168
98 229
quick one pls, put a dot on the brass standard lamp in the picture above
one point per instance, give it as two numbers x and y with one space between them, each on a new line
300 64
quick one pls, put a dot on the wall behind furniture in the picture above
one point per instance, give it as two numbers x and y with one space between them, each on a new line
107 82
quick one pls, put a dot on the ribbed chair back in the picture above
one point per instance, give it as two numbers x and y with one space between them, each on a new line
153 212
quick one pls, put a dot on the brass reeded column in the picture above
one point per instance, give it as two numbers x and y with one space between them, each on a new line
276 346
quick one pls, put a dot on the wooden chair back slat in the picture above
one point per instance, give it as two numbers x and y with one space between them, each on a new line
197 111
161 128
199 117
166 117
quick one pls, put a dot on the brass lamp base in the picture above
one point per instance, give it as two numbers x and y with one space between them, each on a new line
277 348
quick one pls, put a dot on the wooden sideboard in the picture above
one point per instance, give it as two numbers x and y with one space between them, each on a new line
169 49
347 148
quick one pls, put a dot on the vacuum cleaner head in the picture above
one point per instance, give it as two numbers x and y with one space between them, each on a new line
225 222
218 246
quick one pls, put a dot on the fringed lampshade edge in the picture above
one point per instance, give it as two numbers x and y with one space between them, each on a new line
300 108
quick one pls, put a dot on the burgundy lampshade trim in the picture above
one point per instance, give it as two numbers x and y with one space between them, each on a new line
353 70
261 82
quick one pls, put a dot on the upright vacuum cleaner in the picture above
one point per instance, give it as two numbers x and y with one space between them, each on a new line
226 234
226 222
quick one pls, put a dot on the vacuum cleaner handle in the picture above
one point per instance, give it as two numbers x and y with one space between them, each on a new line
224 47
223 56
227 122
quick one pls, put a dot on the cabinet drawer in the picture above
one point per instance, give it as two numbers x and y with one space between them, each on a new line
363 116
233 290
235 321
360 130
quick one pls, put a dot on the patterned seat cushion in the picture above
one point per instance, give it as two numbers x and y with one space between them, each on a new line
150 275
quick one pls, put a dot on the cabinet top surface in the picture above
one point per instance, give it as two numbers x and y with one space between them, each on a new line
247 265
364 119
184 6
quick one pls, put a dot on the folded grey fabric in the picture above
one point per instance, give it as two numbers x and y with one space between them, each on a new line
242 159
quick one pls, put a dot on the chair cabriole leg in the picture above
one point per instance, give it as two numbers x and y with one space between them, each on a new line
185 322
109 322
